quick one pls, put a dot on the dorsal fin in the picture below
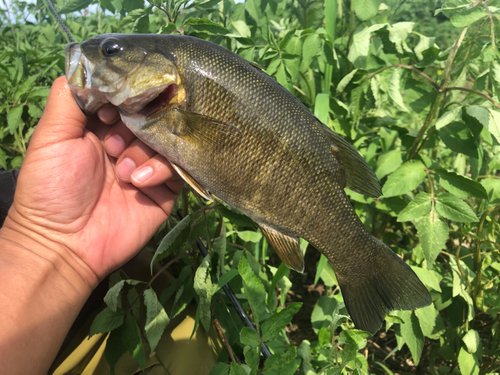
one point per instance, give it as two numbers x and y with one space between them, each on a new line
288 248
359 176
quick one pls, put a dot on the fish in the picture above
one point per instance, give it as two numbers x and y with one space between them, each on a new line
232 132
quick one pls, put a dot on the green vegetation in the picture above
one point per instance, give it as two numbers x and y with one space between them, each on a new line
420 101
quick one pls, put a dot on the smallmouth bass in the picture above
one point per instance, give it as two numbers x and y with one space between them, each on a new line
231 130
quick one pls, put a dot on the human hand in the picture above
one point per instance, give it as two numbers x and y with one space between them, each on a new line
70 197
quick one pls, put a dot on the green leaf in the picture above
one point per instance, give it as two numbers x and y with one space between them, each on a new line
249 337
472 341
366 9
237 369
394 90
74 6
272 326
388 162
156 318
204 25
458 137
227 277
492 188
427 319
25 86
114 349
242 28
398 33
404 179
113 296
204 288
220 369
252 359
433 233
310 48
467 16
250 236
453 208
468 363
428 277
322 107
461 186
345 81
360 45
106 321
279 364
14 118
494 124
448 117
487 117
412 335
418 207
254 290
173 240
323 312
131 337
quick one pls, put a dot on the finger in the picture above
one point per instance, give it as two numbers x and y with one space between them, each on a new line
118 139
162 196
62 119
108 114
136 154
156 171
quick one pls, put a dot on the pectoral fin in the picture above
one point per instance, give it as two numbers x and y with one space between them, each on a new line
359 176
205 130
288 248
193 183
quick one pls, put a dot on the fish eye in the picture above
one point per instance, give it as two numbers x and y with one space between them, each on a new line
111 48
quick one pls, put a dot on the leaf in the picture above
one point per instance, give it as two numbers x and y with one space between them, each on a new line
254 290
252 359
106 321
427 319
156 318
322 107
428 277
310 48
204 25
279 364
173 240
360 45
227 277
487 117
472 341
394 90
250 236
494 124
404 179
453 208
412 335
249 337
236 369
468 363
220 369
14 118
345 81
242 28
388 162
366 9
323 312
25 86
113 296
204 288
398 33
492 188
272 326
114 349
433 233
74 6
467 16
448 117
131 337
418 207
461 186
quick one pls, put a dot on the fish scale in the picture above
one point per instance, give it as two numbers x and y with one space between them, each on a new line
232 131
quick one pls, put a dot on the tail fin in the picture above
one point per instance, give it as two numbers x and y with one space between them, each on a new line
389 284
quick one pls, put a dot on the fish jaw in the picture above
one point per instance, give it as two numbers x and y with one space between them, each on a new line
93 79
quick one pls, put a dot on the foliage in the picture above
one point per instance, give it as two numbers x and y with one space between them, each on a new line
425 117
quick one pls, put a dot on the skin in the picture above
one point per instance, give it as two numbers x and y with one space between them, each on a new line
89 197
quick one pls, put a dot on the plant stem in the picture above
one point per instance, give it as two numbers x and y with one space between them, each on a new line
486 96
439 98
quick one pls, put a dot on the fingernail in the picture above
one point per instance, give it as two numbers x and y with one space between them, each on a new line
115 145
142 174
107 114
125 168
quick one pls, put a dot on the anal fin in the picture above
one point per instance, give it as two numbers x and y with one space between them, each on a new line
193 183
288 248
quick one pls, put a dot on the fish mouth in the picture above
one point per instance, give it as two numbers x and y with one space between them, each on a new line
91 92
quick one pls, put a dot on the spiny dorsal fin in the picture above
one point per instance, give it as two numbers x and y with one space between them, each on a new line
359 176
288 248
193 183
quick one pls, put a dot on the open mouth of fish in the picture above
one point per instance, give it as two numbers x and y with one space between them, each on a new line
92 86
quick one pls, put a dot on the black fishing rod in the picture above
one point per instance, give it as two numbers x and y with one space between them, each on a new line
227 289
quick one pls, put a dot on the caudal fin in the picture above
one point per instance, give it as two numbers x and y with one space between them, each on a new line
389 284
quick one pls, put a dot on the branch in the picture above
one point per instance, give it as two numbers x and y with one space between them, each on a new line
493 45
486 96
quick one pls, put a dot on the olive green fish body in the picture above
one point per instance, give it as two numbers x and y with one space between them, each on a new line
234 132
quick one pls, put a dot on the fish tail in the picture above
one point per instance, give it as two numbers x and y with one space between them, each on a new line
386 284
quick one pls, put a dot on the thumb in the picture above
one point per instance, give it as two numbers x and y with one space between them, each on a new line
62 119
